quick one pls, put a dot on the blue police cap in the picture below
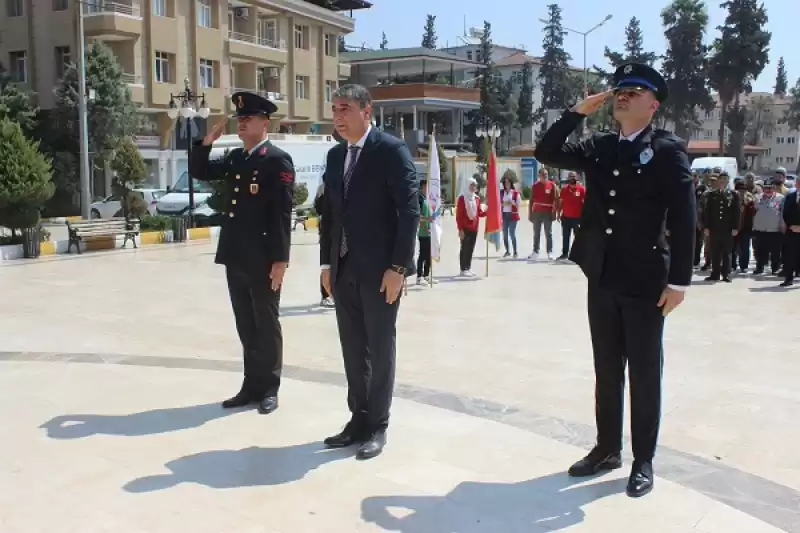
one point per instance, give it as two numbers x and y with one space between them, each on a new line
248 104
640 76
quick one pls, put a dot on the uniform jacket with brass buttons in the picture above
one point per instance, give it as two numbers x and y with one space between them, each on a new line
722 211
634 192
257 217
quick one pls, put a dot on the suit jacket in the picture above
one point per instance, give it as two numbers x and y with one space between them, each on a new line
723 211
257 218
791 210
633 193
381 213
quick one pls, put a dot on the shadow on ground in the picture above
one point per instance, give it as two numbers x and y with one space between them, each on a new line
548 503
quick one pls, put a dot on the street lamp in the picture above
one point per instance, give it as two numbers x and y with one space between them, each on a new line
584 34
491 133
191 105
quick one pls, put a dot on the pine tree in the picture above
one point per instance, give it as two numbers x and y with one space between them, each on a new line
740 55
384 42
782 79
554 72
429 37
490 108
792 115
685 65
16 103
25 178
525 102
633 51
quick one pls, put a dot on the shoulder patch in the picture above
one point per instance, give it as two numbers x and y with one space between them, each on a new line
287 177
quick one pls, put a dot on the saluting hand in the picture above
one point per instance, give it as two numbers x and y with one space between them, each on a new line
276 275
592 103
670 299
216 132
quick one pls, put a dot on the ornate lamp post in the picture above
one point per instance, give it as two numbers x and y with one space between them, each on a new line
190 105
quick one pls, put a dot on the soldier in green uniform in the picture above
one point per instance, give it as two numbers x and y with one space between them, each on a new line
254 241
722 219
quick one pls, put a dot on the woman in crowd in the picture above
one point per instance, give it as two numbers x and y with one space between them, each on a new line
512 200
468 213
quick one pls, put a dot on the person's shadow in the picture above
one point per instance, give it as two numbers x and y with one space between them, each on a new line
248 467
552 502
135 424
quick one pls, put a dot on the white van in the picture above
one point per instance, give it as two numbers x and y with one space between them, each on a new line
308 153
728 164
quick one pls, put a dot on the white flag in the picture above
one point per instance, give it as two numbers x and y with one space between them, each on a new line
434 198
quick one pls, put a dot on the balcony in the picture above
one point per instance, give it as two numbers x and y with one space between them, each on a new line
279 99
252 48
112 21
136 86
344 71
427 93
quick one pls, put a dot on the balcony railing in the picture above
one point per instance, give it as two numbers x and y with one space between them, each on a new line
98 7
277 44
131 79
269 95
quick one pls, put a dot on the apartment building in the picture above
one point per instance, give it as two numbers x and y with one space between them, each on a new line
286 50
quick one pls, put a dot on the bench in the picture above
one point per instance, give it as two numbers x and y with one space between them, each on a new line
102 227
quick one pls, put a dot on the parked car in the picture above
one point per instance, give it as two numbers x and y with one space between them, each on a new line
111 206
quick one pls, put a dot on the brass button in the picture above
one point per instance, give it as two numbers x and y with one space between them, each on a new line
236 189
639 171
233 202
616 172
611 211
609 231
612 192
231 215
238 177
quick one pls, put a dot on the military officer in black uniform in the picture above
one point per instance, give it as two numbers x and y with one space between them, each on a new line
254 241
721 220
639 184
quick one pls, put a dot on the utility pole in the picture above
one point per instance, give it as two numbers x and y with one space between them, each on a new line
86 195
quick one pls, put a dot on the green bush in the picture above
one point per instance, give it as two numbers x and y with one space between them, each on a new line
510 175
300 194
526 192
155 223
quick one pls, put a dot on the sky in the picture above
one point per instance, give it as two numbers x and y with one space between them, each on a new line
516 22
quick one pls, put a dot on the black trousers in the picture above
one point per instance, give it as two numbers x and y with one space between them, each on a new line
467 249
424 257
368 336
721 244
256 307
698 245
626 330
568 226
767 245
791 257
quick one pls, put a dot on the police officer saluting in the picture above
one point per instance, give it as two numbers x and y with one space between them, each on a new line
254 241
638 183
722 218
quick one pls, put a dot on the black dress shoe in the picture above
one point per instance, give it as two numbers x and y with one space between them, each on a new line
641 480
726 279
596 461
787 283
374 446
241 399
712 278
268 405
351 434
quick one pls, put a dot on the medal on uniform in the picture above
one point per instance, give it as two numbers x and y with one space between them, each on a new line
646 155
254 188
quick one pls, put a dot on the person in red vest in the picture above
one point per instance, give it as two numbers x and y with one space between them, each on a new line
468 213
512 201
570 208
542 211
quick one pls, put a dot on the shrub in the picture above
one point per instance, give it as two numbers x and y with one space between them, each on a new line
526 192
300 194
155 223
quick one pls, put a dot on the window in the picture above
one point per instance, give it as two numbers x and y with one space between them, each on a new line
14 8
60 5
18 65
162 70
709 134
204 13
330 45
779 160
791 140
63 58
160 8
301 87
779 140
268 32
469 55
301 36
790 159
206 73
330 88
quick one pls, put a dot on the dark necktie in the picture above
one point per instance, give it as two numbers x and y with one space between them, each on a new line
348 174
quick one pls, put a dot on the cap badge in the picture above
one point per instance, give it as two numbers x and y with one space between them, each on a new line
646 156
628 69
239 102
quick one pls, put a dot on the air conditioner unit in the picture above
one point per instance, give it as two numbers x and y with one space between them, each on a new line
241 12
273 72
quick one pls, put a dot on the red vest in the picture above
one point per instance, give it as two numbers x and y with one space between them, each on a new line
514 200
543 196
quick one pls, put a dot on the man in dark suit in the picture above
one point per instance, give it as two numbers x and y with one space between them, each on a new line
367 239
791 219
254 241
639 184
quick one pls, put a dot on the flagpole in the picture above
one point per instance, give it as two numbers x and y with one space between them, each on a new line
430 222
403 136
490 145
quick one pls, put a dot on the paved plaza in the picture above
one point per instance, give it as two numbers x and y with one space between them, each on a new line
112 365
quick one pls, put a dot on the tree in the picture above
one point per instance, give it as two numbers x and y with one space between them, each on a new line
740 55
429 37
633 51
488 83
25 178
507 112
16 103
112 115
525 101
300 194
128 164
685 65
554 73
384 42
760 120
781 80
792 115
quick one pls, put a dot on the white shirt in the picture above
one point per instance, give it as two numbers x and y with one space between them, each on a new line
508 199
632 137
360 145
256 147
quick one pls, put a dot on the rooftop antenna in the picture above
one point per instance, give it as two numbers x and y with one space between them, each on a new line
465 25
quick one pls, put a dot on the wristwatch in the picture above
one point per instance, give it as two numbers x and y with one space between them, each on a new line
399 269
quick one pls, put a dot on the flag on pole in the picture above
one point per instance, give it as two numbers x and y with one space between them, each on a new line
435 197
494 217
